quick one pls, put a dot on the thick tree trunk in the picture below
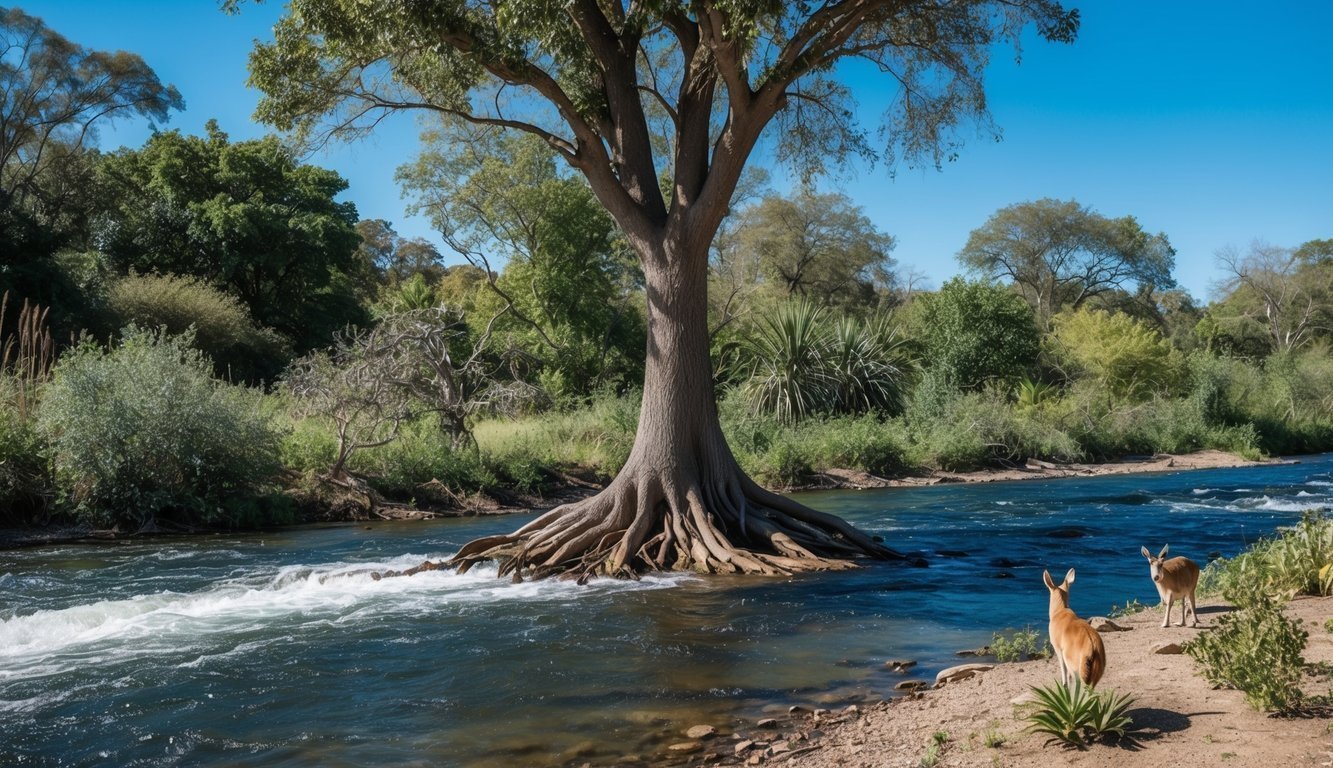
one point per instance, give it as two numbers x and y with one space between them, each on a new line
681 502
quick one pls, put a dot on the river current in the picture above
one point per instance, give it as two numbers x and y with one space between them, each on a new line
279 649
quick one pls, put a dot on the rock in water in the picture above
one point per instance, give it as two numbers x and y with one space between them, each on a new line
701 732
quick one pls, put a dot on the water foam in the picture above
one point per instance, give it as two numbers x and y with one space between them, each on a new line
1276 505
47 641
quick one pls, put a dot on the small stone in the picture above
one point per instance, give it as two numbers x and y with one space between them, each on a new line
767 722
910 685
796 709
1103 624
851 709
755 759
1166 648
821 712
779 748
961 672
743 745
701 732
899 665
685 746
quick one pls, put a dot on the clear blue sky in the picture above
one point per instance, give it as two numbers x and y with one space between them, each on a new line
1209 121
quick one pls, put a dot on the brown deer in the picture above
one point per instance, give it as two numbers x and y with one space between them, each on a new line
1078 647
1174 578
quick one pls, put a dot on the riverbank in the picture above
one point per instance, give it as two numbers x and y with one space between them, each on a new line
1034 469
1179 719
565 488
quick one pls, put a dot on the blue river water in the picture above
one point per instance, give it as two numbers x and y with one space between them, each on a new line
278 649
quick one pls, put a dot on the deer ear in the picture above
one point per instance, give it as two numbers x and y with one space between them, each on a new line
1069 577
1046 577
1145 552
1165 547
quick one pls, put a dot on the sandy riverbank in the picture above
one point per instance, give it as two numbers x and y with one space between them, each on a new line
1038 470
1179 719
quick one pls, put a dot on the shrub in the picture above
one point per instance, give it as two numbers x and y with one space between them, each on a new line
1298 562
1022 645
975 333
223 329
144 432
1257 650
1125 354
1077 715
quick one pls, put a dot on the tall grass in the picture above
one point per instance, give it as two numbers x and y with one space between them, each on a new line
27 352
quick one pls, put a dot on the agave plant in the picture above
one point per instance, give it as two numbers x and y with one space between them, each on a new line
787 358
1077 715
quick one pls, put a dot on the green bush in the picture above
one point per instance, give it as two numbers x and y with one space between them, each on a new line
223 329
145 432
1299 561
1021 645
1257 650
1077 715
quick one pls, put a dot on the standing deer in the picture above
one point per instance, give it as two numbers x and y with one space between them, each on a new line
1174 578
1078 647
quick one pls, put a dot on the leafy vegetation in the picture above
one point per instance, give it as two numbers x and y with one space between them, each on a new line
1078 715
144 432
1021 645
1257 649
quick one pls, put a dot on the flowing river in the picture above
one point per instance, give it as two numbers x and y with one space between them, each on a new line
278 649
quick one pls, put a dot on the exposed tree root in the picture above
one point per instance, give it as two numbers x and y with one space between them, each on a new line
645 522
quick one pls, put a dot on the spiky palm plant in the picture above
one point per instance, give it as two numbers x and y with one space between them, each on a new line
787 357
869 363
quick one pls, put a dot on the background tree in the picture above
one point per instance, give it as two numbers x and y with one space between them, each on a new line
396 258
1290 296
819 246
568 294
587 79
974 333
247 217
1060 254
54 94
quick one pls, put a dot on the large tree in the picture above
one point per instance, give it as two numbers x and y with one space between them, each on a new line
1060 254
592 78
